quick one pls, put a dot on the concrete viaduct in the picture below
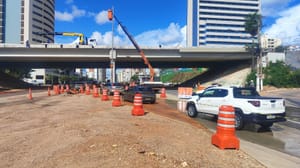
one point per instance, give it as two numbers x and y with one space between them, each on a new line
74 56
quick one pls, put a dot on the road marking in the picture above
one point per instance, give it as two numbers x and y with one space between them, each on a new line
296 122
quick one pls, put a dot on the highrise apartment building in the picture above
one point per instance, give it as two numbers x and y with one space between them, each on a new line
269 44
23 20
219 22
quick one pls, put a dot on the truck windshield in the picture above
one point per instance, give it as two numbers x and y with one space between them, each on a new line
244 92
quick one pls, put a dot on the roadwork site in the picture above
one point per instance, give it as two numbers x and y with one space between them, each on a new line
82 131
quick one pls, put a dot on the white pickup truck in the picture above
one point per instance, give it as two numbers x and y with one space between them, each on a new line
249 106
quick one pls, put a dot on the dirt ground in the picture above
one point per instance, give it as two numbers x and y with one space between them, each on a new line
83 131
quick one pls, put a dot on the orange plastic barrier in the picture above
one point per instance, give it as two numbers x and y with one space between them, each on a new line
163 93
138 105
116 99
104 95
225 135
185 92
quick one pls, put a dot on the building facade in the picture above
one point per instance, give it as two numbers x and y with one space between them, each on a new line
24 20
219 22
269 44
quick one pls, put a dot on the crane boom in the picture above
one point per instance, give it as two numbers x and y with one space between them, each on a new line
141 52
80 35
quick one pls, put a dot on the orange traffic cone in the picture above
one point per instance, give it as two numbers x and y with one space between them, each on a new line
95 91
116 99
163 93
104 95
137 105
225 134
29 94
49 92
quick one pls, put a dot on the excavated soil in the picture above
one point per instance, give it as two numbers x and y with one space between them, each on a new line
83 131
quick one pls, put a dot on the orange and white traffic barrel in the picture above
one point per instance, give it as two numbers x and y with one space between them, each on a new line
163 93
116 99
138 105
225 134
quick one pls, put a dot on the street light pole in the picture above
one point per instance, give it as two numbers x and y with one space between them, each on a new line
112 59
259 72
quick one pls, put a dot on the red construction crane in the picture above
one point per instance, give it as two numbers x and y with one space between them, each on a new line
111 16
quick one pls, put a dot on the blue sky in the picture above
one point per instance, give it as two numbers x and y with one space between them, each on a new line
158 22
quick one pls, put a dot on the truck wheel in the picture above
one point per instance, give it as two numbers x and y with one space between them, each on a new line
191 111
239 122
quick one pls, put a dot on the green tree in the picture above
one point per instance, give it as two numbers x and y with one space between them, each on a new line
253 26
279 75
18 73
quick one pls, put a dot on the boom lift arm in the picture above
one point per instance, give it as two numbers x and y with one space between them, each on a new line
80 35
111 16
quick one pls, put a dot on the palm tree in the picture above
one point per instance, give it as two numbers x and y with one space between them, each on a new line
253 26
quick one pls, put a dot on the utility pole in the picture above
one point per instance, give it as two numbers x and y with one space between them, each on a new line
259 72
113 52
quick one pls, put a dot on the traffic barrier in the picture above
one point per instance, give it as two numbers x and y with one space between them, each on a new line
104 95
116 99
163 93
138 105
29 94
49 92
95 91
225 134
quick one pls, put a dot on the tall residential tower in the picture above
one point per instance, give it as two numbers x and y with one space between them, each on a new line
219 22
22 20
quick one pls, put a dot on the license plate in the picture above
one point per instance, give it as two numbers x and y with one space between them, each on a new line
271 116
273 105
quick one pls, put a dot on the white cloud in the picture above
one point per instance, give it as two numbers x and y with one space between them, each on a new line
63 16
101 17
271 8
106 39
172 36
66 16
287 26
69 1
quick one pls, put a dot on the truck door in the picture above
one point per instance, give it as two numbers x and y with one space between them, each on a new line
211 100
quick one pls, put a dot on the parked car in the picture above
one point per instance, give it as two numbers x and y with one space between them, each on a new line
111 87
249 106
148 94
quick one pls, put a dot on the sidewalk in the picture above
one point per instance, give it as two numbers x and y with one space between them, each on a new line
269 157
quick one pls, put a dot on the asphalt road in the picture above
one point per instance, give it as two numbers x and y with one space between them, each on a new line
283 137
